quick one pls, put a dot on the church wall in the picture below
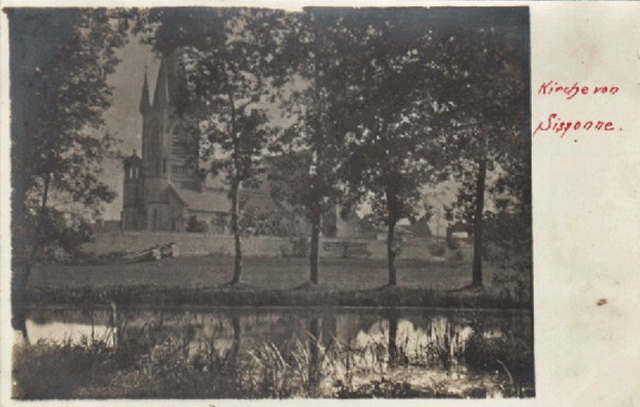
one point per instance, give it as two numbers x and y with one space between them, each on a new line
158 217
132 194
129 219
153 191
177 214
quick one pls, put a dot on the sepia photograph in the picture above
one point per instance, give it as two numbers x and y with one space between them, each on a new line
258 203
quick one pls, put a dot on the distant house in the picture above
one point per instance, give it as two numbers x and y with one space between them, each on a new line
407 230
419 229
347 225
460 232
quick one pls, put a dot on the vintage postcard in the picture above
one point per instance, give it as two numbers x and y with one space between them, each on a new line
372 203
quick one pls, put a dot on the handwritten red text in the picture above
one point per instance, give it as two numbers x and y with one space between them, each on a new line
569 92
555 125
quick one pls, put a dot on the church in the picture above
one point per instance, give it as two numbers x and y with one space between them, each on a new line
164 192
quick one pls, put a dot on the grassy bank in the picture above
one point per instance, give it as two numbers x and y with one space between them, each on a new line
268 281
176 296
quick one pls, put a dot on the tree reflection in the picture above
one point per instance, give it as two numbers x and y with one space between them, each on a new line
314 354
393 340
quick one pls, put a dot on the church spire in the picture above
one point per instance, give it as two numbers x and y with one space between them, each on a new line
163 94
144 99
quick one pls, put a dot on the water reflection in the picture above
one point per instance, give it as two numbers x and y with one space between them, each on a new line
308 352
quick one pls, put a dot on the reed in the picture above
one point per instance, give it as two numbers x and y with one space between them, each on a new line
164 365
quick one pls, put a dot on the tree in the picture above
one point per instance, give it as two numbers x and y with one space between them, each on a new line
484 84
60 60
391 168
306 172
395 144
226 55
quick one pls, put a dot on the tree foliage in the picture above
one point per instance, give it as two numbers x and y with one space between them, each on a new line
394 148
60 62
484 85
380 104
306 171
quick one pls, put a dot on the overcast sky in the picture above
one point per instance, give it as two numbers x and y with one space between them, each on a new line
124 119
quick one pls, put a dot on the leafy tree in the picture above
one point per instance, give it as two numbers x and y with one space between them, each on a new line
60 60
226 55
484 84
306 172
394 145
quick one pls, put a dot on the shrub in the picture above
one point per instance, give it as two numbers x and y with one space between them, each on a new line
510 355
452 243
59 370
299 246
437 249
457 255
196 226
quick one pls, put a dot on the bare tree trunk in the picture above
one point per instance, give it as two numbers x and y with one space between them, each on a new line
22 270
314 250
235 227
392 219
478 224
391 250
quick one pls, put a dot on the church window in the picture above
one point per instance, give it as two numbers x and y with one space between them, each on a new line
164 165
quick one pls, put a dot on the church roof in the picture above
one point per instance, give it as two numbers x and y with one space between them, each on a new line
264 201
205 201
420 228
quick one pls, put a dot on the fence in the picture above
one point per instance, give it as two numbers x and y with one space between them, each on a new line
202 244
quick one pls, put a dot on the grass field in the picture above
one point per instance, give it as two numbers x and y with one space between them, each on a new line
268 281
261 273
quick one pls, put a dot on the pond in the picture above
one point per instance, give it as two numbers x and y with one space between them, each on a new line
238 352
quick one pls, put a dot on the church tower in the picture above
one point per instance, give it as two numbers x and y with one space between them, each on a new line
133 213
165 162
163 190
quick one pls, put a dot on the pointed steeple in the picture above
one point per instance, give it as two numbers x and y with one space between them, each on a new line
144 99
162 93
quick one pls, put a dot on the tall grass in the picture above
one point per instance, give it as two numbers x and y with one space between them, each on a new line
159 362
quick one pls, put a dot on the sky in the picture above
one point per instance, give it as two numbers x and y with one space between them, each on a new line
123 118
